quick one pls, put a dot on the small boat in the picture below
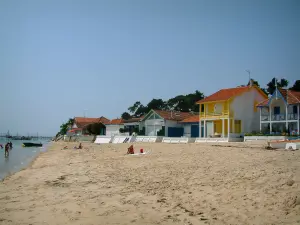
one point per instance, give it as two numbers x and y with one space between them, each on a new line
282 143
29 144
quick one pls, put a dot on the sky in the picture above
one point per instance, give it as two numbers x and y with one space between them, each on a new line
63 58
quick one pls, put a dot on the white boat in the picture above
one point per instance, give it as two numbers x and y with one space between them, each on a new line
282 143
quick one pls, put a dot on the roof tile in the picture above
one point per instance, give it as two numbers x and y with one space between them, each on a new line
83 121
224 94
192 119
173 115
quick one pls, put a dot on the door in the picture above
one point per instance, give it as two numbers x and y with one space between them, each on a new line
175 131
209 129
195 131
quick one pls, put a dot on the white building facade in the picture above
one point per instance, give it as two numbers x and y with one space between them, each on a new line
280 113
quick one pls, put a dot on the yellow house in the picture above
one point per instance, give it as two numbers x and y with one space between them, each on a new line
230 112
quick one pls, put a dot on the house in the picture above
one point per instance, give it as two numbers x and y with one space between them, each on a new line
280 113
191 126
80 124
164 123
133 125
113 127
230 111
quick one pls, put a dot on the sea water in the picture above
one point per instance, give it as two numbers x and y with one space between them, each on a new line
19 157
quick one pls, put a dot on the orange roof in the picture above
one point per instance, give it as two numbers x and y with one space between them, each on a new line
224 94
83 121
173 115
192 119
116 122
292 97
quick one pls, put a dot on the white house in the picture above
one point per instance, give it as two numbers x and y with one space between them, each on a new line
280 113
164 123
113 127
134 124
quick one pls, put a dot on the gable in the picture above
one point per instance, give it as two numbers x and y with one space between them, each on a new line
276 95
152 115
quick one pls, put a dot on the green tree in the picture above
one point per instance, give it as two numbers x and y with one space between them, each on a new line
185 103
156 104
138 109
135 107
296 86
271 86
125 116
65 126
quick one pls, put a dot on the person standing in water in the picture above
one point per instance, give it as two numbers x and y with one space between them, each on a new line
10 145
6 150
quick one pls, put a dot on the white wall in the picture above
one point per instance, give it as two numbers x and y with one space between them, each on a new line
243 107
153 126
278 103
112 129
187 130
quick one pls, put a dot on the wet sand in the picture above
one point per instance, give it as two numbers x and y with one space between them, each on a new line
174 184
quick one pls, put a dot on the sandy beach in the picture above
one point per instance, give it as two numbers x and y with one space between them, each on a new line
174 184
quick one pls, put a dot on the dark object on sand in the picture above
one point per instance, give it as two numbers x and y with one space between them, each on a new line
29 144
130 150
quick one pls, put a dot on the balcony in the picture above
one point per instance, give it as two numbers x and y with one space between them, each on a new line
279 117
214 114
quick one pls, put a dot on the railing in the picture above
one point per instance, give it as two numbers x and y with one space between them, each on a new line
292 116
279 117
208 114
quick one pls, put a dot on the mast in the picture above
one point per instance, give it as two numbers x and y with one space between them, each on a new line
276 88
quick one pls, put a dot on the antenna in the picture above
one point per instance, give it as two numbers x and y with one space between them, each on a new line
248 71
276 87
84 112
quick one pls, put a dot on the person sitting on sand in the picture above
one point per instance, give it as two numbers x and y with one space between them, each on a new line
130 150
80 146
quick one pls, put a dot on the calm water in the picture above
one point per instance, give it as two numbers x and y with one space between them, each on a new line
19 157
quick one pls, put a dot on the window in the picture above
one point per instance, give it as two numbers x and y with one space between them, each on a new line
276 110
295 109
202 107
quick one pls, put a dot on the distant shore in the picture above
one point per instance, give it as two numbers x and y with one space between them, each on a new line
239 183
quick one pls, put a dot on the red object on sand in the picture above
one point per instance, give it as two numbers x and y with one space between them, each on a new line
142 150
130 150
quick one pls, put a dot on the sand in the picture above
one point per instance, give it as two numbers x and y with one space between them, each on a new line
173 184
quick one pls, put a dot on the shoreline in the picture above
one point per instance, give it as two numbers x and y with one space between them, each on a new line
173 184
9 174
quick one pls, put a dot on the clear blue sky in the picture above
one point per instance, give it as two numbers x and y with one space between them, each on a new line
58 58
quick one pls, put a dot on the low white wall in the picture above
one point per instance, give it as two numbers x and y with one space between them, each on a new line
201 140
103 139
123 139
178 140
264 138
148 139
